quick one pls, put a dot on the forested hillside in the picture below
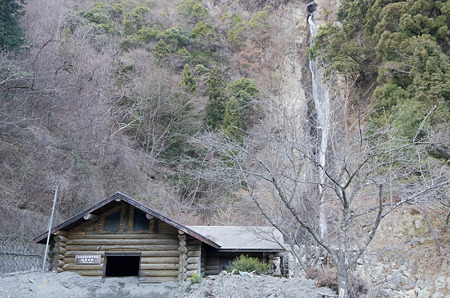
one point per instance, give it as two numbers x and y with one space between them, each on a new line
327 120
102 96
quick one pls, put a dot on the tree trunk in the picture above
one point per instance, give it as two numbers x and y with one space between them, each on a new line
342 275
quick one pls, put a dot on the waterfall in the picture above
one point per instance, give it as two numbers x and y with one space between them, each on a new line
321 96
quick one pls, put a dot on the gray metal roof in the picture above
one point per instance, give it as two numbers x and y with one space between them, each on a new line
243 238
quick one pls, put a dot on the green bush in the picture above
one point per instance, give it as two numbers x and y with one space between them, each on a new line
247 264
195 279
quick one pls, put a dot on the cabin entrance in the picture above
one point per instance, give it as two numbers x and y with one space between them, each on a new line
122 265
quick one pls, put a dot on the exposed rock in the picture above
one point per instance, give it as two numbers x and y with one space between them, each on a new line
378 269
438 295
423 293
439 283
417 224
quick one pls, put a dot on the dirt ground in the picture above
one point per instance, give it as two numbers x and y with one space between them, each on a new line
68 284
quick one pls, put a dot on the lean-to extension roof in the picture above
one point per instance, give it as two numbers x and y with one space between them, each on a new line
243 238
112 202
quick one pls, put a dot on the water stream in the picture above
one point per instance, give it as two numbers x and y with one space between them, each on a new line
321 96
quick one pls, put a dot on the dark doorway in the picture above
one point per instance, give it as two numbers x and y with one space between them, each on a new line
122 265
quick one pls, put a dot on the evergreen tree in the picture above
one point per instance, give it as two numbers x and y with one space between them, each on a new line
161 49
232 122
11 34
188 80
215 108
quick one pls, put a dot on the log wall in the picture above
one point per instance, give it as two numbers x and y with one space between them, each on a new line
158 247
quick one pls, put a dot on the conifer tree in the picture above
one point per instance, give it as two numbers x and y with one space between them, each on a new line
215 108
188 81
161 49
11 34
232 123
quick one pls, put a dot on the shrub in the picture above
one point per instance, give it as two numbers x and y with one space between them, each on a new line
325 277
195 279
247 264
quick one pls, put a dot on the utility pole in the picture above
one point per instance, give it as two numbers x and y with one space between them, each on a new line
50 224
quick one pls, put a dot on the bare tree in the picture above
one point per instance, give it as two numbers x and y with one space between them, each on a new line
278 166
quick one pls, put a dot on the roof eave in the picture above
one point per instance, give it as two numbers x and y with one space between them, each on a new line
251 250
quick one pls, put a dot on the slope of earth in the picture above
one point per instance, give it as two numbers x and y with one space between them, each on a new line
68 284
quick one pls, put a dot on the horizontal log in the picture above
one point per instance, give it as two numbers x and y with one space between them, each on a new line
166 253
159 266
193 260
158 279
60 244
191 273
192 267
122 247
61 233
67 267
60 238
159 273
59 250
193 248
130 235
160 260
194 253
123 242
89 272
59 270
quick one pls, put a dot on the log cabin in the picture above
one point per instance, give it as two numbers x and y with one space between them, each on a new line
121 237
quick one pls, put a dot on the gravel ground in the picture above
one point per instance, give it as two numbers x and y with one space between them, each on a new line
68 284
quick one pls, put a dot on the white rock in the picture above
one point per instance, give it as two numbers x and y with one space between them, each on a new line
439 282
403 268
411 294
404 280
423 294
418 224
438 295
378 269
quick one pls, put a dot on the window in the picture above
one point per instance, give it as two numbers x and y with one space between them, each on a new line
112 222
140 221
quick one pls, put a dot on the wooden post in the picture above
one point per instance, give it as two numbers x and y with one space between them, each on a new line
182 249
270 264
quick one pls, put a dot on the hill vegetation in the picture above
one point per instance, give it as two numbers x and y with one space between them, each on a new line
194 107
